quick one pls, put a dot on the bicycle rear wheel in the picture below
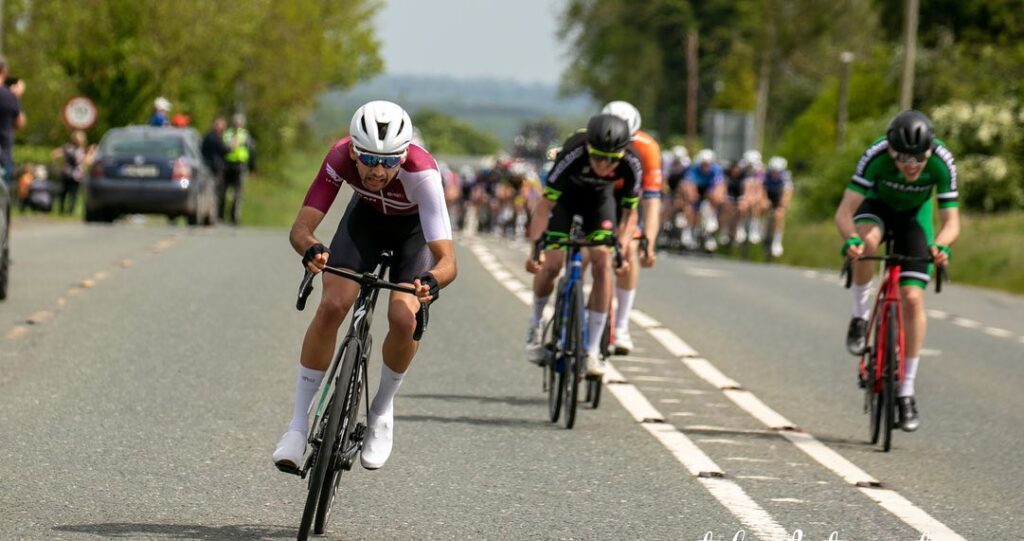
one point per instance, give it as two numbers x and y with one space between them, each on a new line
872 388
575 356
892 356
344 448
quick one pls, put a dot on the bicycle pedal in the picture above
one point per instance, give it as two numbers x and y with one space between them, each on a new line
358 433
288 468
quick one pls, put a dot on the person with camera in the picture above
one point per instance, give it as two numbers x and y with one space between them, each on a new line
11 117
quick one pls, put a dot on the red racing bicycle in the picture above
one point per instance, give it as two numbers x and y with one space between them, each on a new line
882 364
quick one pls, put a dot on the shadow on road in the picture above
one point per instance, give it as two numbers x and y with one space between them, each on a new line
510 400
180 531
474 420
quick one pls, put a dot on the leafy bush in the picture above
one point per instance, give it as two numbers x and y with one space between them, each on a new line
985 139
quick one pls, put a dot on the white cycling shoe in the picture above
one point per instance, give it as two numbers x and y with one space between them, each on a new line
379 440
623 343
595 365
535 352
290 449
777 248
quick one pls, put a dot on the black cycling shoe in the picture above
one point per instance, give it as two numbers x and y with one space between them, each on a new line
909 420
856 336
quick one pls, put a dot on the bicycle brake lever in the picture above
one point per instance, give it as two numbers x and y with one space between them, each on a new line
305 288
422 316
847 272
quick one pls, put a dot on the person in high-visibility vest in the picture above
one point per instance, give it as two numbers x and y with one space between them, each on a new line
236 165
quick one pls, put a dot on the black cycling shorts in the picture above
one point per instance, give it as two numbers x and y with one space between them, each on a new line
911 232
364 233
735 189
596 207
774 194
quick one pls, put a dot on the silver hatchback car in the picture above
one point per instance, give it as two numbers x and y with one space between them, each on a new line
150 170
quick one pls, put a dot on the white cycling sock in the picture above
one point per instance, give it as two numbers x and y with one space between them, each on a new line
595 328
390 381
777 238
907 385
623 305
539 303
861 300
306 384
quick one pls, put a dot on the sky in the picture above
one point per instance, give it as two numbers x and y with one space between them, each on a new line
472 38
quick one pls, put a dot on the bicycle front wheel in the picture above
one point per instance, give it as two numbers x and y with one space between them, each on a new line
350 384
892 357
575 355
554 365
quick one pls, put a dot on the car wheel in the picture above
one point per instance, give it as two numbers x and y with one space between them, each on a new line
96 215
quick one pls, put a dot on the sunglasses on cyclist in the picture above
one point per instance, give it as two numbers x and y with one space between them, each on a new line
605 156
911 159
373 160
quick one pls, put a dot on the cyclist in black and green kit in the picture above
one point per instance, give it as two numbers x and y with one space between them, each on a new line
892 188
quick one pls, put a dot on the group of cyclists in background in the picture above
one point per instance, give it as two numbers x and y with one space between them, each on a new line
707 203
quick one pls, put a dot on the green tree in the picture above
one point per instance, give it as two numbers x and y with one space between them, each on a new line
206 57
446 135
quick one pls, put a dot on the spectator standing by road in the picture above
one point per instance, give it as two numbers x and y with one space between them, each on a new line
11 117
236 166
161 112
214 151
76 157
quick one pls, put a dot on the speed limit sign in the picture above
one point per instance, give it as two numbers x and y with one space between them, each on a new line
80 113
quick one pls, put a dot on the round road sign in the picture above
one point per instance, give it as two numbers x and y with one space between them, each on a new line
80 113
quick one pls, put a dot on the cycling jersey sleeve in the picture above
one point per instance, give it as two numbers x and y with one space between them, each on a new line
863 178
632 174
948 194
324 190
425 189
558 177
650 157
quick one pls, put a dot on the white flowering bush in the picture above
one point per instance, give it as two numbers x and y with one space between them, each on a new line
987 142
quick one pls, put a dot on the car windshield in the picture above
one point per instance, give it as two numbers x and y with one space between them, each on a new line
147 144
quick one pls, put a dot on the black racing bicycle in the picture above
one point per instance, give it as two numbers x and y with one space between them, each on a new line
565 337
336 431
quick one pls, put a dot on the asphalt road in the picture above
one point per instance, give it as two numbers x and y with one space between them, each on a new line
144 400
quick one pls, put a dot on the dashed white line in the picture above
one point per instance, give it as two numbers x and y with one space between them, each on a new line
937 314
968 323
672 342
997 332
643 320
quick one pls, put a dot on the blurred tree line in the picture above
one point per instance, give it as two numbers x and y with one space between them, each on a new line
444 134
265 58
969 77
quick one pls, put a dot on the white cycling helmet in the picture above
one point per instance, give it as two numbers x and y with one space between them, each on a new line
705 156
752 157
381 127
162 104
625 111
777 164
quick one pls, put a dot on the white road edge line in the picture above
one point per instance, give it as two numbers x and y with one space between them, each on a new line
698 463
888 499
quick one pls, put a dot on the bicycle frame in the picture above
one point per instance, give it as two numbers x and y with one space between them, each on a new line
888 300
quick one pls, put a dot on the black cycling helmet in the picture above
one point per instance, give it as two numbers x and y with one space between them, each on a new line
607 133
910 132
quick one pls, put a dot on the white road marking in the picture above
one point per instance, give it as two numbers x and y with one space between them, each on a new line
726 491
634 369
925 352
635 359
997 332
643 320
811 274
964 322
652 378
682 414
710 374
704 273
748 459
787 500
1021 340
758 477
722 441
669 400
672 342
937 314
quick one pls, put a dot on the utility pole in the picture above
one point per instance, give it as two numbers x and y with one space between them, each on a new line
910 54
845 58
691 90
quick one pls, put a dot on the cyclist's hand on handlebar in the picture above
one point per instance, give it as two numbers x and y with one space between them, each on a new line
532 266
939 256
623 268
315 258
427 288
853 248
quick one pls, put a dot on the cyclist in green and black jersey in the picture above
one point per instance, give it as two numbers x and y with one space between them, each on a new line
892 188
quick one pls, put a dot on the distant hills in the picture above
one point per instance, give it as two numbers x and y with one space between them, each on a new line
496 106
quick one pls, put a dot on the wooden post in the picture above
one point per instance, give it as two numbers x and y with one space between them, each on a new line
910 54
845 58
691 91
